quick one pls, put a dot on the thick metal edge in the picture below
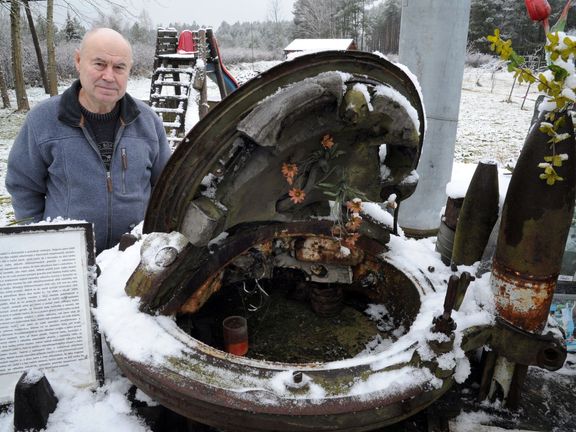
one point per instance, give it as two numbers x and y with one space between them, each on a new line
221 408
169 197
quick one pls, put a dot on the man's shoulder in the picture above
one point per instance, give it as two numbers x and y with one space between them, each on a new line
46 107
143 106
44 114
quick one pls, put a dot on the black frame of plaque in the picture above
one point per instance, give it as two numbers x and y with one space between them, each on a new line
91 262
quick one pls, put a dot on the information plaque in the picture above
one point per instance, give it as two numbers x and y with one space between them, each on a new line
47 290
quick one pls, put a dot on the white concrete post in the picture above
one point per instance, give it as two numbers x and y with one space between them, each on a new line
433 35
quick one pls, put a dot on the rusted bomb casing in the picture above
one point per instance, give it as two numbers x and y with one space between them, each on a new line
448 224
534 227
478 215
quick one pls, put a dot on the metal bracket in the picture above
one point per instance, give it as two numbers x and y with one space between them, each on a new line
546 351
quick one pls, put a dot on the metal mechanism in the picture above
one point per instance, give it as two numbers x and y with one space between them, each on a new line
259 214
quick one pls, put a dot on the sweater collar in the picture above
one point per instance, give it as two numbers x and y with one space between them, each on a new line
69 109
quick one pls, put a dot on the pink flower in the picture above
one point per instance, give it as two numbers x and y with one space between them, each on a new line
296 195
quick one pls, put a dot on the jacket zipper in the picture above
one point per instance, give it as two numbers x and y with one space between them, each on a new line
124 168
108 181
109 186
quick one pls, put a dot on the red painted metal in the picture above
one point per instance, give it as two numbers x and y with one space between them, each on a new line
186 44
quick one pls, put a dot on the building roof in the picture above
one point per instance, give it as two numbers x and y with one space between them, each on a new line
319 44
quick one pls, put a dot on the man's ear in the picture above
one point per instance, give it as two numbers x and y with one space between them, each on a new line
77 60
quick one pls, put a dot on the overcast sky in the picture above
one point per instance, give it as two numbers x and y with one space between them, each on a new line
208 13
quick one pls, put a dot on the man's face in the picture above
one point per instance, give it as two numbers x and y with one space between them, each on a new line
103 64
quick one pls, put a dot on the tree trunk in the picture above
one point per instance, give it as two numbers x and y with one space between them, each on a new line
4 90
21 97
52 75
36 46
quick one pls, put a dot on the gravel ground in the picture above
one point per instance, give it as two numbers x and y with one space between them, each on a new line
491 123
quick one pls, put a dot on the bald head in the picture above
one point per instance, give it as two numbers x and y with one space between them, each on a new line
105 36
103 62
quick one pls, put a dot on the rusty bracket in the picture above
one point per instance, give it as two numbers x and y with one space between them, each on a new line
546 351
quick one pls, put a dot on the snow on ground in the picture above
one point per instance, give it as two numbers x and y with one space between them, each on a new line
492 122
492 125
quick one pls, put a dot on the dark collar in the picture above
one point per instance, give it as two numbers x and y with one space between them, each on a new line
69 108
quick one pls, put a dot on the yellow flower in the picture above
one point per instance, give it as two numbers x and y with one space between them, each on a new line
549 174
494 39
296 195
556 160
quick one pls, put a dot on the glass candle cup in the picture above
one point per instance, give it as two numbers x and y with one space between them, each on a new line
235 335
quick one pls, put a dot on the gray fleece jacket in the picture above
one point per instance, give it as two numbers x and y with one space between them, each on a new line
55 168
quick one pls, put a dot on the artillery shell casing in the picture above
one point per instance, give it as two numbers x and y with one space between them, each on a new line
478 215
535 221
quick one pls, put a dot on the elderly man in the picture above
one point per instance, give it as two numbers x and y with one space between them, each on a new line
92 153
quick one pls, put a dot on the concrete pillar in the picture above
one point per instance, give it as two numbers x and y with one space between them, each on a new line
433 37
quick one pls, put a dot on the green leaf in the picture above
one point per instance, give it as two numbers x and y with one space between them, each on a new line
560 73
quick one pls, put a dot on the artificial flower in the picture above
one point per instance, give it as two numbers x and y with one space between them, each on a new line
289 171
327 141
297 195
354 206
354 223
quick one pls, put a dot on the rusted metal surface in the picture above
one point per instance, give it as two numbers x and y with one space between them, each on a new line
452 211
199 385
326 250
525 348
262 412
327 301
202 294
520 299
447 229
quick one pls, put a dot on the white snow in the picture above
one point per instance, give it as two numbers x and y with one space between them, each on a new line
401 100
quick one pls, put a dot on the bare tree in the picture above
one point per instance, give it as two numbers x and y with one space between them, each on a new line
51 48
315 18
41 67
4 90
21 97
274 14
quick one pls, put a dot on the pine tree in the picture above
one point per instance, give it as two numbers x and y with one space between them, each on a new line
73 30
